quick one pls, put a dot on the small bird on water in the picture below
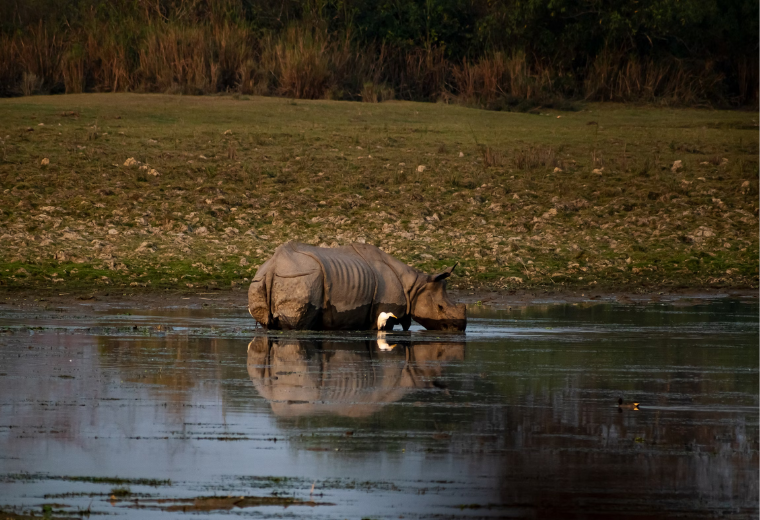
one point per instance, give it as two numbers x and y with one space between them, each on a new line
627 406
382 321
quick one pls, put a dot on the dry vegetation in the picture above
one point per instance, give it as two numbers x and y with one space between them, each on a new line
214 184
305 61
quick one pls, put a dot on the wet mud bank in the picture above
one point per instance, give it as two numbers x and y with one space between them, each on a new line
230 299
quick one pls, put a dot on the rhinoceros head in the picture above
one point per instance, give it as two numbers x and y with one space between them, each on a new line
432 308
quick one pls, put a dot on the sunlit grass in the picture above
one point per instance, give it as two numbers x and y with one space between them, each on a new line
512 197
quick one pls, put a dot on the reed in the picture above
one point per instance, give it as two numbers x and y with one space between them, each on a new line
145 50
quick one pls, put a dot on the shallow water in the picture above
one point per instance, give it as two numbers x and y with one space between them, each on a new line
517 418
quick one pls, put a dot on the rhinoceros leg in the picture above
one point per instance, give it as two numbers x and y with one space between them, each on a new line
406 321
259 295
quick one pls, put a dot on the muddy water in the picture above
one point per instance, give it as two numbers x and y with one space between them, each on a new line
148 414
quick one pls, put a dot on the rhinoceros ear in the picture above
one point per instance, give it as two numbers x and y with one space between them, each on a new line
444 274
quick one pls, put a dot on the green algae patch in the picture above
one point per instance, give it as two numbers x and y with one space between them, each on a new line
116 481
201 504
113 481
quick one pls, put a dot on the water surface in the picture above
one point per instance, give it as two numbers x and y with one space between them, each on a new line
517 418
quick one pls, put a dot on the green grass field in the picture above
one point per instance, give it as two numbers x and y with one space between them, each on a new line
520 200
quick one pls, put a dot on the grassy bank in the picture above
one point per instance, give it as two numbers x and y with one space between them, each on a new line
125 190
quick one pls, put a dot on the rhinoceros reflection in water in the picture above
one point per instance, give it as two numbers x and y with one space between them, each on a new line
353 379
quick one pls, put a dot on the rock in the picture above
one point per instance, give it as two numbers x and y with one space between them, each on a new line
597 171
228 132
461 154
231 231
113 231
153 172
146 247
243 262
723 161
677 165
701 233
60 256
130 162
549 214
745 187
23 272
201 231
45 161
557 169
421 168
515 279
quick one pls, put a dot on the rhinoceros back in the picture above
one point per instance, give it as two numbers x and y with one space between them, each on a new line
349 286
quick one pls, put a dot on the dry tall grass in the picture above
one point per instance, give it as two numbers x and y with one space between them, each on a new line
305 60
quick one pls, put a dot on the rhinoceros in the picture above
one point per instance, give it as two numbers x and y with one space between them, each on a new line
303 287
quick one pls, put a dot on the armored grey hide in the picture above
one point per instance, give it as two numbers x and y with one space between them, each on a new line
307 287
